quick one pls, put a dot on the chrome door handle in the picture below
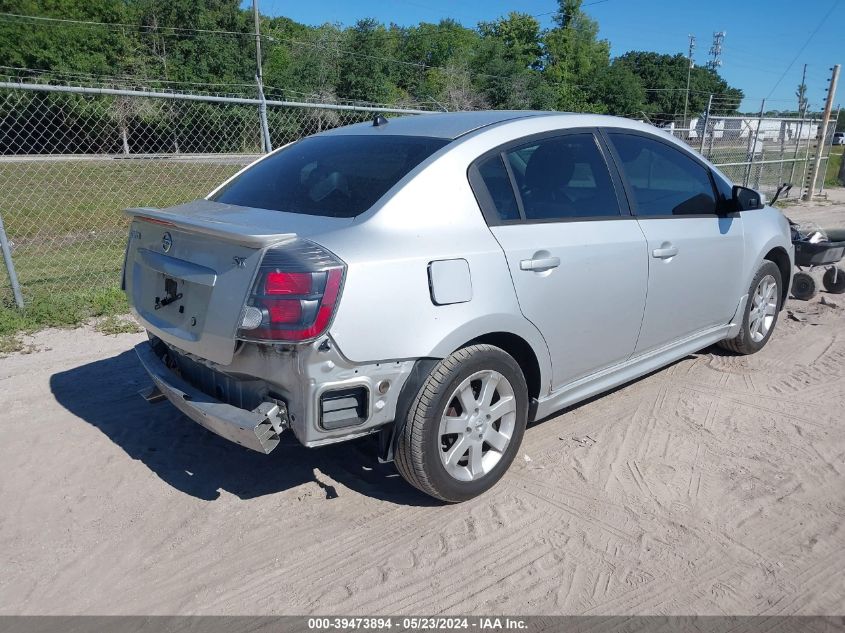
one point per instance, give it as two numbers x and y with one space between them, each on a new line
665 252
539 265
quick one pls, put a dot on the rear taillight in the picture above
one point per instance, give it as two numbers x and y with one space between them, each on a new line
294 295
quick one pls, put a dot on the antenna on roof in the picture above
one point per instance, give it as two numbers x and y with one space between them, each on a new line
379 120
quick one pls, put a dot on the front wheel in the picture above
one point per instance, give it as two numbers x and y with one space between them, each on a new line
761 311
465 425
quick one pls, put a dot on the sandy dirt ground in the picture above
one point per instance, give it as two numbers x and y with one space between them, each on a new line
716 485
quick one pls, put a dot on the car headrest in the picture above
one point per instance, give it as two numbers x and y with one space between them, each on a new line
549 167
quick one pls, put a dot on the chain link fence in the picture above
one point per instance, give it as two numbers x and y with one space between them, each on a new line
71 159
762 152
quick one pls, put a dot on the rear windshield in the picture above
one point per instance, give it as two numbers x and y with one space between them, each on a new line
334 176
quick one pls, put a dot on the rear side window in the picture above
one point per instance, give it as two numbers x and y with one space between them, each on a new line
495 177
335 176
563 177
664 180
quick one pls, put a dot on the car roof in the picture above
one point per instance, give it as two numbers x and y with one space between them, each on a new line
445 125
453 125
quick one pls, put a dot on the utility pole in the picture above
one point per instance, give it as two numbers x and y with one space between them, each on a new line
689 72
828 107
706 122
716 50
259 79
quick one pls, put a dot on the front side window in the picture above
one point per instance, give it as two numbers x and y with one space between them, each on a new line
664 181
336 176
564 177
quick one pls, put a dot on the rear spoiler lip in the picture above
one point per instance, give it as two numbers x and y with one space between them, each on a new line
242 235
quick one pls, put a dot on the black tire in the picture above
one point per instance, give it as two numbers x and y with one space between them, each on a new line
743 342
834 280
803 286
419 446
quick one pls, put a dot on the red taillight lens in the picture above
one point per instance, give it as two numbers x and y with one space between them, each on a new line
281 283
284 310
295 294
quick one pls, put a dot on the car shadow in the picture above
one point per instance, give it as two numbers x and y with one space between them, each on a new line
104 393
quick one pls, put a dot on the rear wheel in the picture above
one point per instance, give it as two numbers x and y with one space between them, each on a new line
761 311
465 425
834 280
803 286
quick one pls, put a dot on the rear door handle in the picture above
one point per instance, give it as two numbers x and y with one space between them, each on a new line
665 252
539 265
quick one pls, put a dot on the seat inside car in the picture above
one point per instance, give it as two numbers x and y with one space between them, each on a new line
564 181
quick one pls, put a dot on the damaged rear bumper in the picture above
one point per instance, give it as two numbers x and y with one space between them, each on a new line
258 429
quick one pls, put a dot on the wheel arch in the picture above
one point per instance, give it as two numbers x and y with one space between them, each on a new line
780 258
519 348
522 353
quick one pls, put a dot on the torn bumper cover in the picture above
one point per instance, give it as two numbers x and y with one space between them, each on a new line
258 429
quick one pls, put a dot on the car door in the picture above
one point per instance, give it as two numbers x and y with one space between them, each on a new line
694 252
576 256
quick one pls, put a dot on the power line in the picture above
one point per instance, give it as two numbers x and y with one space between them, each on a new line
56 22
118 25
803 46
589 4
148 30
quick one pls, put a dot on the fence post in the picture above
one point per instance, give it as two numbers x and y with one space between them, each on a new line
752 145
706 121
10 266
797 147
806 162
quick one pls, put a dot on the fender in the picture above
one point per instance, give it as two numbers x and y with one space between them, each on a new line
389 434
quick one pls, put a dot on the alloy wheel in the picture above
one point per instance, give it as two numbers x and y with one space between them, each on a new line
764 306
477 425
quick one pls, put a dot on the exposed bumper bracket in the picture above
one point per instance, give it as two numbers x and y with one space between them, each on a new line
258 429
152 394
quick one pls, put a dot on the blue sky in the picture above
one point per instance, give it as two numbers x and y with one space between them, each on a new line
763 36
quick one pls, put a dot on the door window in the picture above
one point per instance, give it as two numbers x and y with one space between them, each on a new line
563 177
498 184
663 180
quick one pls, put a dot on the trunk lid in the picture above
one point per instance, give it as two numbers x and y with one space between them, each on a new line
190 268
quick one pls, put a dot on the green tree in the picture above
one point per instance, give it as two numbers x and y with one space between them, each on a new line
204 54
507 63
66 48
424 51
367 69
575 56
617 90
664 80
520 36
303 62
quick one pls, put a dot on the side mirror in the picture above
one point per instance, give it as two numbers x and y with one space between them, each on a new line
746 199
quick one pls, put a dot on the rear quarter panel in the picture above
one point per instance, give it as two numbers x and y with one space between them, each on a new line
386 310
